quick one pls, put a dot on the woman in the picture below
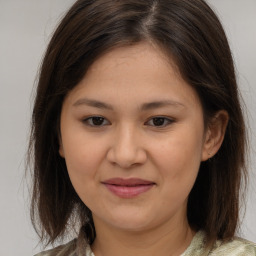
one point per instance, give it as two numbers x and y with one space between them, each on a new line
138 137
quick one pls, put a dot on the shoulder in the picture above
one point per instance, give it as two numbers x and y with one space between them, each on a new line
237 247
234 247
62 250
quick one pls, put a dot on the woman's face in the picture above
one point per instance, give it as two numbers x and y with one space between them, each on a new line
132 135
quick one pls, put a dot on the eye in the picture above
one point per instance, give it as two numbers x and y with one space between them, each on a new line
96 121
159 121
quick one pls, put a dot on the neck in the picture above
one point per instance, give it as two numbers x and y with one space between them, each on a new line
169 239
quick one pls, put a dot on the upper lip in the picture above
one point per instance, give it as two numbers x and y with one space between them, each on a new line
127 182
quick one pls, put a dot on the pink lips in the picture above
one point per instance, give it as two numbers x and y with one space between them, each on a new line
128 188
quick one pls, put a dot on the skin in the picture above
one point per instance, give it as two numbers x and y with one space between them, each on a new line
128 143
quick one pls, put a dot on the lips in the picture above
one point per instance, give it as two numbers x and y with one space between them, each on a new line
128 188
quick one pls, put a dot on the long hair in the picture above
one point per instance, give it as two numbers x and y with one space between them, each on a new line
187 31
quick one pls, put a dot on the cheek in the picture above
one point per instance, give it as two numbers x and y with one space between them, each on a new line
178 164
179 151
83 157
178 158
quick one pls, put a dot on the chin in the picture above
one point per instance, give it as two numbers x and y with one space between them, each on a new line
132 222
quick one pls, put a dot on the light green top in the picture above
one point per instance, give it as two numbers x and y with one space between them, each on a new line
236 247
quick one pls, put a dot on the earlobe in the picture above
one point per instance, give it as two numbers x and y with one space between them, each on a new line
215 134
61 150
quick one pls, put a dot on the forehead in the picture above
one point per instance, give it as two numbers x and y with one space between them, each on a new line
146 56
134 73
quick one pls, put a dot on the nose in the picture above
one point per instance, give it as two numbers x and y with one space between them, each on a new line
126 149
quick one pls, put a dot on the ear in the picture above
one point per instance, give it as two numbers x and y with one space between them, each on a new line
214 134
61 150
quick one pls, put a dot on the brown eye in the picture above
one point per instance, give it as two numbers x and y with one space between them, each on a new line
159 121
95 121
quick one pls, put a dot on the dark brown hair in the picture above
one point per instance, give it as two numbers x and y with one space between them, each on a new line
186 30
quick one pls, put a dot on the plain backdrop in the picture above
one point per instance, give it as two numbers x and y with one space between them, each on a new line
26 27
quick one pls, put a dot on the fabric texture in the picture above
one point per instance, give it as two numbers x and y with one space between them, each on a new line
236 247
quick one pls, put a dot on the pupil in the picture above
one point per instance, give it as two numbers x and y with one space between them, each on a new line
158 121
97 120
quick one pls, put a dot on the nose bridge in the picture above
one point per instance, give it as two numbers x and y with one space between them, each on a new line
126 138
127 149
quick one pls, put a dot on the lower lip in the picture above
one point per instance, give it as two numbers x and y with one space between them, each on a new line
128 192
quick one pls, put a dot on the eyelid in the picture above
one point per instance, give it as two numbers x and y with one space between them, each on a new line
168 119
86 119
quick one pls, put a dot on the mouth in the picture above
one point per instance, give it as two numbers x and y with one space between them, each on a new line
128 188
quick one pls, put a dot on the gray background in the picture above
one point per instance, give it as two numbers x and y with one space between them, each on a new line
26 26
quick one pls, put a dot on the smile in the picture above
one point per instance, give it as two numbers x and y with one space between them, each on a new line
128 188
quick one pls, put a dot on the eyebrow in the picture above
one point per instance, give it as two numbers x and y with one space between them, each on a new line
144 106
160 104
93 103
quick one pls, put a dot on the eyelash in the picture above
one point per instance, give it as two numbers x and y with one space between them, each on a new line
166 120
89 121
